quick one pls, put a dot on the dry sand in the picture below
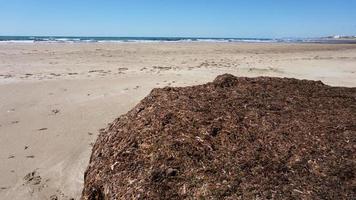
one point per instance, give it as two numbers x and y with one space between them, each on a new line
55 97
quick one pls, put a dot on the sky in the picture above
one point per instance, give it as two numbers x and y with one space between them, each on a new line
178 18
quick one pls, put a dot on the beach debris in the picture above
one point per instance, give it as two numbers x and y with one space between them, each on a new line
11 156
113 165
42 129
233 138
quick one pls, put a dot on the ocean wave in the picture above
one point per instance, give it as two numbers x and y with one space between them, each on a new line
59 39
17 41
44 39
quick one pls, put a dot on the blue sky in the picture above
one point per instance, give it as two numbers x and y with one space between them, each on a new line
184 18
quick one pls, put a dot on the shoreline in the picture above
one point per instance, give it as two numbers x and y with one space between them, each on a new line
89 39
336 42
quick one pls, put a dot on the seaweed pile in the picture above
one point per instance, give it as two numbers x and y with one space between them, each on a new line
233 138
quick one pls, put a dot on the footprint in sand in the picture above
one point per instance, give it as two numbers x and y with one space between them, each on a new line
42 129
121 69
32 178
4 188
7 76
35 182
54 74
55 111
53 197
60 195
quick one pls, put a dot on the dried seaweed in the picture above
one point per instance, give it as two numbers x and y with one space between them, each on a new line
233 138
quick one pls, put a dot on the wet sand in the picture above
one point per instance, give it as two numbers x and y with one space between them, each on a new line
55 97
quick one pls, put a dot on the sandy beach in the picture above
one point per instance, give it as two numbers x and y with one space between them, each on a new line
55 97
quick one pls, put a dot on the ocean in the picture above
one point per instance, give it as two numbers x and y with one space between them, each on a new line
74 39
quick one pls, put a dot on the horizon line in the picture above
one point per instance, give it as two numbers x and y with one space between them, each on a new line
199 37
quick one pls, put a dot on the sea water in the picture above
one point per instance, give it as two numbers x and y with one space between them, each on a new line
74 39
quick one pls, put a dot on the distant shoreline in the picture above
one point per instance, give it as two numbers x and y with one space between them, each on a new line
74 39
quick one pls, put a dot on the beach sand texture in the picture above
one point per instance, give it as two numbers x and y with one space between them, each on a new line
55 97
